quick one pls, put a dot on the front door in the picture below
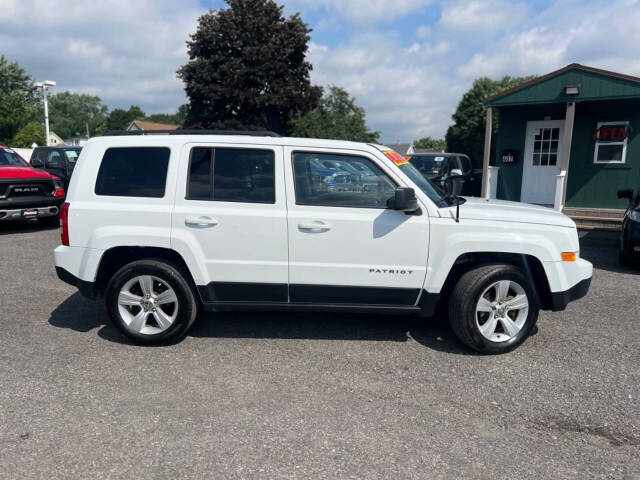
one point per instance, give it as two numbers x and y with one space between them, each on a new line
345 245
541 161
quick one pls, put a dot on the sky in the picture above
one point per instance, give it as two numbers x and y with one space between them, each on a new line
406 62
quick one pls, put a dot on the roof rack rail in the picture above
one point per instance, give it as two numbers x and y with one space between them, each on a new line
252 133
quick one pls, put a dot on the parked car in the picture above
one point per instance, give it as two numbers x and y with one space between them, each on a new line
455 168
59 161
26 192
163 226
630 234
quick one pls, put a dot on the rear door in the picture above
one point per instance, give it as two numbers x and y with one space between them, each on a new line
345 245
229 220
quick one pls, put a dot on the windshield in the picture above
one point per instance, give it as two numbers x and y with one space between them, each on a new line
9 158
430 189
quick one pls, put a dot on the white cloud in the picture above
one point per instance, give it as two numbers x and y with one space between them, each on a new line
565 33
362 11
480 15
125 52
404 93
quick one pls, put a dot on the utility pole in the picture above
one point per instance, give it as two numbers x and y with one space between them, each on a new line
44 85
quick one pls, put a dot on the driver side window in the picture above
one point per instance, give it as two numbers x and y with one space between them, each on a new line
335 180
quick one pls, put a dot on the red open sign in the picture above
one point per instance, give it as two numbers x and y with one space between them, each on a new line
612 133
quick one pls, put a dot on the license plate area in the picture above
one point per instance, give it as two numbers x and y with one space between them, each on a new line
30 213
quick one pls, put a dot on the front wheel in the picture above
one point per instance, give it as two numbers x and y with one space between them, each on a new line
493 308
150 302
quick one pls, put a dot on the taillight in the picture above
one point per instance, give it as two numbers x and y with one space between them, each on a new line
58 193
64 223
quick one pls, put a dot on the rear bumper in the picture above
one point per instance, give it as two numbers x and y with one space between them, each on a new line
87 289
16 214
560 300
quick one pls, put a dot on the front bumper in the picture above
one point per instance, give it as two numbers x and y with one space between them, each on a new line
560 300
18 213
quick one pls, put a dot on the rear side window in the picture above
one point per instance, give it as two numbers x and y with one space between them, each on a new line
239 175
133 172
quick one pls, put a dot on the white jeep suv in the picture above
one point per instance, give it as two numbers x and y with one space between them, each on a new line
162 226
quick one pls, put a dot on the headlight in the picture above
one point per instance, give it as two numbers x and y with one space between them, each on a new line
57 184
635 215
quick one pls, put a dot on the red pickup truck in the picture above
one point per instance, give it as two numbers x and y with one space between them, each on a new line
26 192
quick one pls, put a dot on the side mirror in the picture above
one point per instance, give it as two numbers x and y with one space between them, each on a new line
626 193
404 200
36 163
456 172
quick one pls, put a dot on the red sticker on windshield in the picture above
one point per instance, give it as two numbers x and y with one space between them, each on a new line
396 158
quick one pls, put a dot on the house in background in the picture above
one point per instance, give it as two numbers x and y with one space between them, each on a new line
568 139
141 125
55 140
77 141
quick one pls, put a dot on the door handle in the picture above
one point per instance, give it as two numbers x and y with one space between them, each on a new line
200 222
314 226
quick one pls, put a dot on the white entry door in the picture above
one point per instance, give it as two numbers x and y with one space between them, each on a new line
541 161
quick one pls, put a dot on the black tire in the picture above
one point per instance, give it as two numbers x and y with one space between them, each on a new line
186 300
464 299
50 222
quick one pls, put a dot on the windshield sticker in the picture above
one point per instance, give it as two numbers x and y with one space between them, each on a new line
8 150
439 159
396 158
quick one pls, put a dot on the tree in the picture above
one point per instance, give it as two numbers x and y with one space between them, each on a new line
177 118
247 68
437 144
466 135
31 133
119 119
336 117
71 113
19 103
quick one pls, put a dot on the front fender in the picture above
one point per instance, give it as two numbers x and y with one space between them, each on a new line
451 240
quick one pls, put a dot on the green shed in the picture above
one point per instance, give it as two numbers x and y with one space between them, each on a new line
568 139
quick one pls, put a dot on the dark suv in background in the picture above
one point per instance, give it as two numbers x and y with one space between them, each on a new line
443 167
59 161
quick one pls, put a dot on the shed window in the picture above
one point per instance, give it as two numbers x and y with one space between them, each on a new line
611 142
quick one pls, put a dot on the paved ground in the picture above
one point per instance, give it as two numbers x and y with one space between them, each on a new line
312 395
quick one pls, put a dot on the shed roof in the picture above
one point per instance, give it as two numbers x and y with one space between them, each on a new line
594 83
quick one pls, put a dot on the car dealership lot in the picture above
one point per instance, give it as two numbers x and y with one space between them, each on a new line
300 395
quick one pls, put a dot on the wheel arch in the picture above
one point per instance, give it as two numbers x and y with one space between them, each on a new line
530 266
115 258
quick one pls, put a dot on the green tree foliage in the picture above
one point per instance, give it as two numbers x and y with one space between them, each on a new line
31 133
466 135
247 68
18 99
432 143
336 117
71 113
177 118
119 119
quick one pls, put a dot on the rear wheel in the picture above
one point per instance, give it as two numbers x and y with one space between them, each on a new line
493 308
150 302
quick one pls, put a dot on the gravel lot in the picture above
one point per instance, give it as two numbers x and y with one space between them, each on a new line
290 395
